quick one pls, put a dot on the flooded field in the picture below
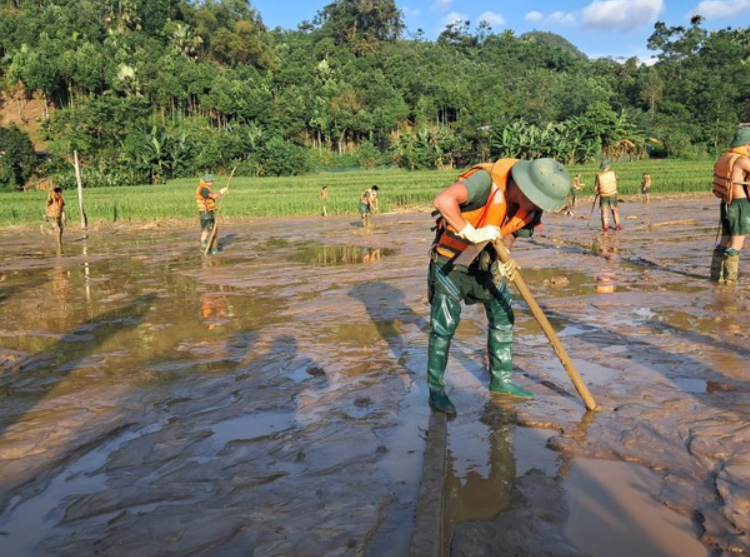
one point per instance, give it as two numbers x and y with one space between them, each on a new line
271 400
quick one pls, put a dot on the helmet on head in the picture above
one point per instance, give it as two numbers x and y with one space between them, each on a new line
545 182
741 137
604 164
208 178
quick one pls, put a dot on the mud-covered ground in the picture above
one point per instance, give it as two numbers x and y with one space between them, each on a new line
271 400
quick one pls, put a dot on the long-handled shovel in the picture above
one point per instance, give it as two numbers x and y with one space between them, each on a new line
537 312
591 214
216 215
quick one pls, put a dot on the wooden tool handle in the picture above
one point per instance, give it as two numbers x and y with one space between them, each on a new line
544 323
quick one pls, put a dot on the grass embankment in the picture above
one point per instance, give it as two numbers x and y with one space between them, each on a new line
300 196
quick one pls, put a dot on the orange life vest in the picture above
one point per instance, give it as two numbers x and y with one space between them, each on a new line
203 203
607 181
723 171
55 207
494 212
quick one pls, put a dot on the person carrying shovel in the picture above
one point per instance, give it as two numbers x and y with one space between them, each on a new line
205 200
489 202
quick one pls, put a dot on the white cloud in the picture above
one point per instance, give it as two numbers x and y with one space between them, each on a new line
409 12
495 20
621 15
561 18
453 17
720 9
440 5
533 17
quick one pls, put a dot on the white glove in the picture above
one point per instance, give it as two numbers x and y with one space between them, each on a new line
506 270
222 191
487 233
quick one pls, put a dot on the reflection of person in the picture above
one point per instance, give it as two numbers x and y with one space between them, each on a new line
324 200
215 310
61 282
605 184
368 203
645 187
481 491
205 200
55 213
371 255
731 176
488 202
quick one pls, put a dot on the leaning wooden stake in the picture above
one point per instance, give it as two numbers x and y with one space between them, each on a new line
565 360
216 215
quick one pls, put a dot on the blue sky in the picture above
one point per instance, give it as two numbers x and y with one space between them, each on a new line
616 28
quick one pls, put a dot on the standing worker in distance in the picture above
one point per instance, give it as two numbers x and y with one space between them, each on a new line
368 203
731 176
324 200
645 187
205 200
605 184
489 202
55 214
574 192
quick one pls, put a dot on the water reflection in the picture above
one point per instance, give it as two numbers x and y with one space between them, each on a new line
321 254
216 310
480 470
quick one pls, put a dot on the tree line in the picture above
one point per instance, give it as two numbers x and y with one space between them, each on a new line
150 90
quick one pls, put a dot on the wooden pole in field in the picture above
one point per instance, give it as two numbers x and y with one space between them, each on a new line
84 220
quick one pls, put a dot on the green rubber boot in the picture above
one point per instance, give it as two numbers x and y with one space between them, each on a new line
500 349
437 361
732 265
717 264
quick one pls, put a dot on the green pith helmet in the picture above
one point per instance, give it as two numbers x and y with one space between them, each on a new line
208 178
545 182
604 164
741 137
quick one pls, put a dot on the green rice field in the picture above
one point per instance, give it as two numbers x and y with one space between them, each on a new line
300 196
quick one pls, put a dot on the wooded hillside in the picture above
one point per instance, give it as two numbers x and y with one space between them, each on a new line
150 90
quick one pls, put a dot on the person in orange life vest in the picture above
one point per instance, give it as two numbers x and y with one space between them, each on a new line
205 200
605 184
489 202
731 177
55 213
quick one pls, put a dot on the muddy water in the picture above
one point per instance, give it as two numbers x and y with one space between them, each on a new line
271 400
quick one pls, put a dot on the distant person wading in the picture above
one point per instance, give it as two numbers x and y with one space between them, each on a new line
55 214
205 200
368 204
605 185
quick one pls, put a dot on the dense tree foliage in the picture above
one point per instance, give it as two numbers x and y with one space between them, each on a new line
17 157
149 90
